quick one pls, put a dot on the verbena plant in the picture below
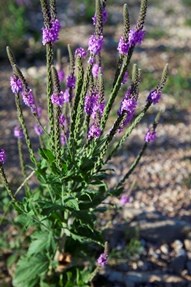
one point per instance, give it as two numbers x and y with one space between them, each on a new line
59 213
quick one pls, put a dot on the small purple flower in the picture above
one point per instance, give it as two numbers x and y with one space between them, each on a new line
90 102
51 34
95 44
123 46
71 81
154 96
58 99
150 136
124 199
93 106
102 260
104 17
94 131
136 37
16 84
66 96
28 98
38 130
2 156
18 132
63 121
80 52
64 138
56 26
128 105
126 121
125 78
39 111
61 75
96 70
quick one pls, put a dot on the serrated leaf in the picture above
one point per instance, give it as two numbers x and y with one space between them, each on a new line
40 241
29 270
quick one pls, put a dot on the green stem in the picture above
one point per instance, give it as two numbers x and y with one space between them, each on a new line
6 184
133 166
78 122
116 88
49 62
57 137
21 160
109 138
24 128
129 130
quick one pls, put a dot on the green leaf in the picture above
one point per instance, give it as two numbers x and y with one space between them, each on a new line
29 270
47 154
40 241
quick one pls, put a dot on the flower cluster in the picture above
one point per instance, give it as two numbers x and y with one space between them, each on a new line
28 99
124 199
104 17
58 99
127 107
102 260
63 121
96 70
51 34
154 97
16 84
135 37
71 81
92 105
18 132
61 75
94 131
64 138
2 156
80 52
38 129
95 44
150 136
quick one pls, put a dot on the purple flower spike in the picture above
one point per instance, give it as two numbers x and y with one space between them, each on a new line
64 138
136 37
80 52
71 81
18 132
66 96
95 44
16 84
102 260
38 130
104 17
125 78
96 70
56 26
128 105
28 98
94 131
61 75
150 136
51 34
2 156
124 199
154 96
63 121
58 99
123 47
93 106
